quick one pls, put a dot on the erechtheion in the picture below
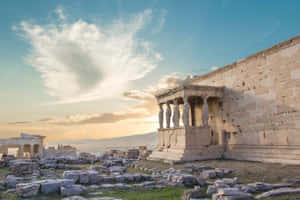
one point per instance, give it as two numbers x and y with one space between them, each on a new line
27 145
248 110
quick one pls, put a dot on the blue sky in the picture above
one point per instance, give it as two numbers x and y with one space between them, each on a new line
186 37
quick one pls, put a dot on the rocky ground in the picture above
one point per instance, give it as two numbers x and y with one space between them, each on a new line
111 179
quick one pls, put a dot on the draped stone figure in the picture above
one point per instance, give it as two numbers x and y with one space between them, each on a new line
186 112
176 114
161 116
205 112
168 115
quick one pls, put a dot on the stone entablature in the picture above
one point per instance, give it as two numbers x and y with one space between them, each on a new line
32 145
187 91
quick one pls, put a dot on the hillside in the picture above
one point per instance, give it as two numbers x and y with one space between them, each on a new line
100 145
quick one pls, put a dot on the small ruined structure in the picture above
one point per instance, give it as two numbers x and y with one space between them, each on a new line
135 153
61 151
132 153
192 140
248 110
28 145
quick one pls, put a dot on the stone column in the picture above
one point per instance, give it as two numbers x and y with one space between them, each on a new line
5 150
186 113
21 151
205 112
41 151
31 151
168 115
176 114
161 116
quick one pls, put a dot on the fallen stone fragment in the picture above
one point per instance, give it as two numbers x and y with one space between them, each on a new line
185 179
73 190
22 167
11 181
9 191
231 194
74 175
95 193
66 182
211 189
248 189
50 186
208 174
27 189
118 169
278 192
104 198
2 185
93 176
195 193
261 187
84 177
291 180
74 198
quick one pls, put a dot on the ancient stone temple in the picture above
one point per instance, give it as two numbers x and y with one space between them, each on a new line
28 145
248 110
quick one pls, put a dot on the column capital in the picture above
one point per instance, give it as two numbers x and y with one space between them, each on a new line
205 97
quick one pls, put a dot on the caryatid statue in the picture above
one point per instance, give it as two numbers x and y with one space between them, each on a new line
168 115
161 116
176 114
205 112
186 113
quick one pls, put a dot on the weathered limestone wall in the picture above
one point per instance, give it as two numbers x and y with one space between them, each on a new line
261 104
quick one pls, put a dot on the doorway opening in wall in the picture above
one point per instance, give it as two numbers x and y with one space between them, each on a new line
27 150
12 151
213 138
226 136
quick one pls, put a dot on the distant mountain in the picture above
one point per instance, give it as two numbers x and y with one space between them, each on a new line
100 145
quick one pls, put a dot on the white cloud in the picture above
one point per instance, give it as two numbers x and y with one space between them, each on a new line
213 68
60 13
81 61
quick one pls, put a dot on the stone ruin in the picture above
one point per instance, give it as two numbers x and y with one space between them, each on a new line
140 153
61 151
28 146
248 110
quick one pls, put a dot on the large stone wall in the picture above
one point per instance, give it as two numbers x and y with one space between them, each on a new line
261 104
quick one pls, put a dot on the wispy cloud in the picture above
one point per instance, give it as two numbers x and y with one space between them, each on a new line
161 21
81 61
145 109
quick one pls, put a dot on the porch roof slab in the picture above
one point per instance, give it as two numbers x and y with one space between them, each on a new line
181 92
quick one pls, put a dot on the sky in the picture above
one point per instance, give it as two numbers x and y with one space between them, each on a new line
89 69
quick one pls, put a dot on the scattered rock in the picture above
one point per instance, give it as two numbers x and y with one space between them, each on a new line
208 174
50 187
22 167
74 198
11 181
27 189
193 194
73 190
74 175
231 194
278 192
